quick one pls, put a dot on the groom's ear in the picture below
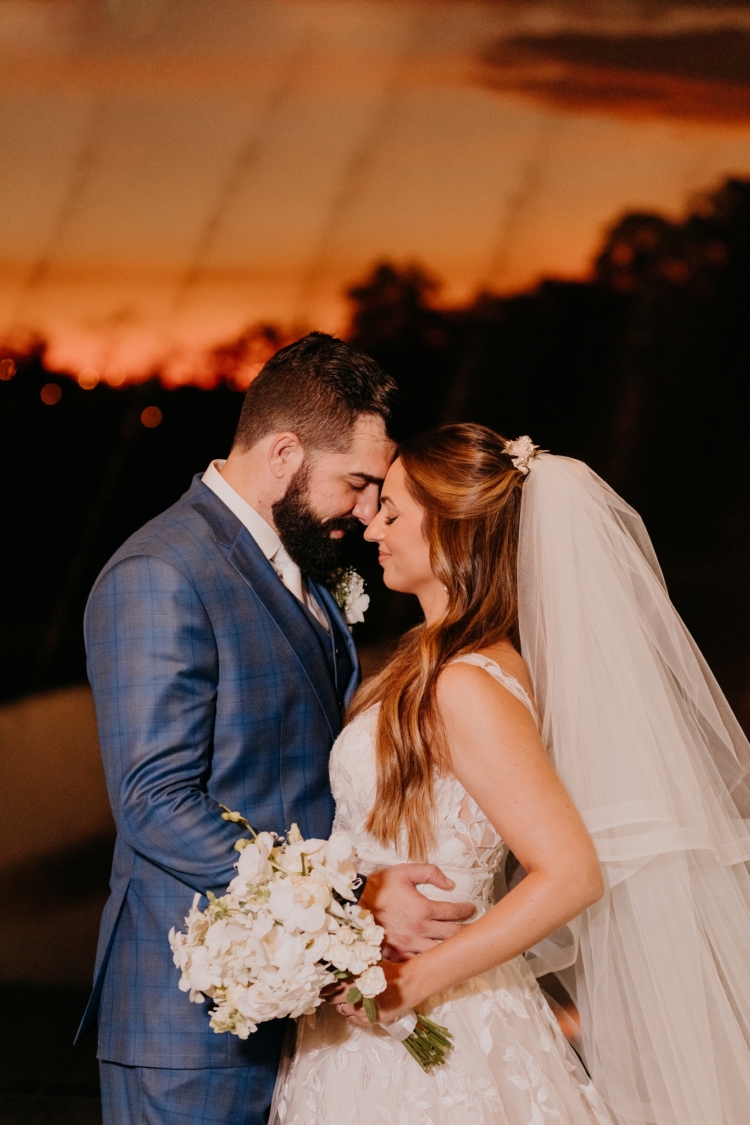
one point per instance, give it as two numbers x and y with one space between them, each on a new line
285 454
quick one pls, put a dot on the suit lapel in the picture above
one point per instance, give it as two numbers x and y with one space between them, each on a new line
286 612
335 615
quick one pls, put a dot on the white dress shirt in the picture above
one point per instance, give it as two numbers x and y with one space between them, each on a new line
266 538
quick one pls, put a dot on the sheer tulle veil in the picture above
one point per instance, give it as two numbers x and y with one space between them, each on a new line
658 766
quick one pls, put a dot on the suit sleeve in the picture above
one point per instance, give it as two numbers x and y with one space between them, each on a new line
153 666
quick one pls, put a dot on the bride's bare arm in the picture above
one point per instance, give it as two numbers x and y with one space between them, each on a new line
498 756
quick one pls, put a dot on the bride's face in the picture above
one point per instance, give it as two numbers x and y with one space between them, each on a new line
403 551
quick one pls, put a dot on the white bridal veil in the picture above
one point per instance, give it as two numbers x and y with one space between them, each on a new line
657 764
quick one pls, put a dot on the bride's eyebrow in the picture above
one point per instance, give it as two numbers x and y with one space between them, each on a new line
386 500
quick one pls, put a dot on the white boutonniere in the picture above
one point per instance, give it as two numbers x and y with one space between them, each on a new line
348 591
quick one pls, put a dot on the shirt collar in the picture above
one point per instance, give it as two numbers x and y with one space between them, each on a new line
261 531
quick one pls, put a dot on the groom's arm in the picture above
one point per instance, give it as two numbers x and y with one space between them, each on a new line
153 667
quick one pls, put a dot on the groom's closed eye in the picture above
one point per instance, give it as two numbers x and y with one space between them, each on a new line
361 480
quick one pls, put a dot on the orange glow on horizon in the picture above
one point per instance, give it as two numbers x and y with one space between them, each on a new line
170 183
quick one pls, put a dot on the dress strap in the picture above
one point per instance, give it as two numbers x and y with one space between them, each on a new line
509 682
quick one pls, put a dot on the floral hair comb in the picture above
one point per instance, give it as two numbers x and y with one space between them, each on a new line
521 451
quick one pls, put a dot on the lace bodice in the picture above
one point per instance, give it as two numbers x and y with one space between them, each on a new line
467 848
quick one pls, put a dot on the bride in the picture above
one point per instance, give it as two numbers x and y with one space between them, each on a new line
443 759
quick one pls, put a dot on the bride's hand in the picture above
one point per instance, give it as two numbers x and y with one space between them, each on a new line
392 1003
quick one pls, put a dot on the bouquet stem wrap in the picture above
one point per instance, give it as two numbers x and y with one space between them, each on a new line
427 1042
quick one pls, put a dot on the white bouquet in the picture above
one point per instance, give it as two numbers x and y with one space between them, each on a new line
287 928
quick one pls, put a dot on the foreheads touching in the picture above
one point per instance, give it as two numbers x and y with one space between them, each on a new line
312 446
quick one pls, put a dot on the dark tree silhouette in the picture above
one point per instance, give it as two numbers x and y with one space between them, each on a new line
642 371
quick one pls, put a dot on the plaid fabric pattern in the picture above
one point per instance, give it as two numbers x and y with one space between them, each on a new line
140 1095
212 686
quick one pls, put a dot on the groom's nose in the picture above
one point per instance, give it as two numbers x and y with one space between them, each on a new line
367 504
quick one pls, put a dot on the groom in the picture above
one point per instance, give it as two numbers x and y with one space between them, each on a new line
221 668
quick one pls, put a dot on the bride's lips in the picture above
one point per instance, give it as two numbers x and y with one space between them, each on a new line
383 557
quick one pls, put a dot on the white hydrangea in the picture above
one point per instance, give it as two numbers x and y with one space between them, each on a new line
286 928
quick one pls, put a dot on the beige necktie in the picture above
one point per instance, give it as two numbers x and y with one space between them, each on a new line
291 575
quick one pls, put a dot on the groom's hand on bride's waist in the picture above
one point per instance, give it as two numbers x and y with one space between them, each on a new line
412 922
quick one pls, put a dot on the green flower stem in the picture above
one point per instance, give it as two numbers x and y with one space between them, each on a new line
428 1043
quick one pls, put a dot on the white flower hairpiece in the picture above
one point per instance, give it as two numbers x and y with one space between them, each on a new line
521 451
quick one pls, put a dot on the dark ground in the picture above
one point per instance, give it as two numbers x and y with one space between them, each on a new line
48 936
43 1077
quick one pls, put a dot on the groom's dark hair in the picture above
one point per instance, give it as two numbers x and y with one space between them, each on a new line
316 387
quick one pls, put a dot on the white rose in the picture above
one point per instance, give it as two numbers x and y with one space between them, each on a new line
361 956
372 981
373 934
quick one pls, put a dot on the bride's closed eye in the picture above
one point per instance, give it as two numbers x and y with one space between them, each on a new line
390 519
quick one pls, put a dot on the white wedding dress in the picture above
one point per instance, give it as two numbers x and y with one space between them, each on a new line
510 1064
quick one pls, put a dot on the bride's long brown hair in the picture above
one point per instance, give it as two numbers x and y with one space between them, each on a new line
471 495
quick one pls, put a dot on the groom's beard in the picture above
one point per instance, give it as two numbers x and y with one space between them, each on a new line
305 536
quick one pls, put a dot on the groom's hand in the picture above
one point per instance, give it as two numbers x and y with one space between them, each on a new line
412 922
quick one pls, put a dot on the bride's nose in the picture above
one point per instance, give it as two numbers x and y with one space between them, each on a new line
374 529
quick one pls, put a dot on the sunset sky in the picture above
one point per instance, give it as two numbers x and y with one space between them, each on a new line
174 170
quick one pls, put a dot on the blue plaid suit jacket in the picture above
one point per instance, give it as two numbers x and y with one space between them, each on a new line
212 686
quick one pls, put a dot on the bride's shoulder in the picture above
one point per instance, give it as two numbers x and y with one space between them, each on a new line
509 659
484 672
